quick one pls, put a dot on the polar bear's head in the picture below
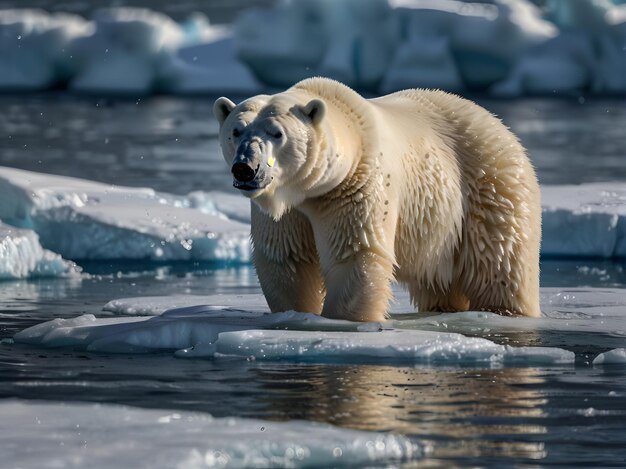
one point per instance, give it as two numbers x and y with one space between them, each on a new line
271 143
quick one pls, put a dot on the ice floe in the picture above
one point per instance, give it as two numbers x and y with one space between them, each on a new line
509 47
81 219
585 220
612 357
87 220
47 435
221 326
211 329
21 256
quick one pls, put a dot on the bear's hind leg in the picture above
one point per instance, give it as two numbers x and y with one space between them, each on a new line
428 299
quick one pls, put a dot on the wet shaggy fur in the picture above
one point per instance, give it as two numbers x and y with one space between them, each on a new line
419 186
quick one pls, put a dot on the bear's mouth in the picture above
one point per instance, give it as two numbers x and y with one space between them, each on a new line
250 185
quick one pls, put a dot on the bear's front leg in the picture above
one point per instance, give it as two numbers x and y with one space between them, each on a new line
286 262
358 288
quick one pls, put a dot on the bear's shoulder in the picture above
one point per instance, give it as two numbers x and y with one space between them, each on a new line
335 94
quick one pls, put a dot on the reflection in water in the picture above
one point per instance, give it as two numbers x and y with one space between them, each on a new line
471 417
461 411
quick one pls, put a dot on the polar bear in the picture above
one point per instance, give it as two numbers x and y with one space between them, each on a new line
348 194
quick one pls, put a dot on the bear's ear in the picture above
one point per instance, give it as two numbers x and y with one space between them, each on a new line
222 108
315 110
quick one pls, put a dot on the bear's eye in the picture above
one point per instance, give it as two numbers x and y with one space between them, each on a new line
278 134
236 133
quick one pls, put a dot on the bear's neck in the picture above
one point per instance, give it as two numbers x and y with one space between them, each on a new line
344 142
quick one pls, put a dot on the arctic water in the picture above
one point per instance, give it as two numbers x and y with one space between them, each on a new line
466 415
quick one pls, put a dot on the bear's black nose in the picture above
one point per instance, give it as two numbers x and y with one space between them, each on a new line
243 172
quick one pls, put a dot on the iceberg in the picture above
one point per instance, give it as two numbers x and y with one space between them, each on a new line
21 256
508 47
587 54
81 219
34 48
126 52
48 435
484 39
210 66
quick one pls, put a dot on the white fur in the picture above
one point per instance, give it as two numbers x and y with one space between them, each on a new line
421 186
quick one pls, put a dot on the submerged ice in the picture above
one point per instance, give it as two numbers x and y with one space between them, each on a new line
222 326
213 329
50 435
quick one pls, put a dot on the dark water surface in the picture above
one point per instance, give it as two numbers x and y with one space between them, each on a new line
521 417
171 144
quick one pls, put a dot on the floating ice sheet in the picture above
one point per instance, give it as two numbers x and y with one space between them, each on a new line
79 435
612 357
21 256
211 330
584 220
82 219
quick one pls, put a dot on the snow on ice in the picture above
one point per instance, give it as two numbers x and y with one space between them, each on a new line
51 435
585 220
214 331
21 256
221 326
510 47
80 219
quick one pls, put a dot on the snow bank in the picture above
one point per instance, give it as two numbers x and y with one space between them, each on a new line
509 47
584 220
214 331
86 220
54 435
21 256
